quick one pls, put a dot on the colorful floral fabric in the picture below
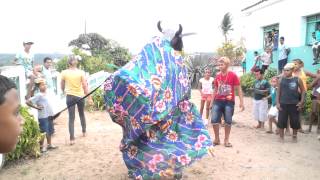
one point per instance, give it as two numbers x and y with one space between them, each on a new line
149 99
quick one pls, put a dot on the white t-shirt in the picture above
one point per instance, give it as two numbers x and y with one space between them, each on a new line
207 85
265 58
26 60
283 52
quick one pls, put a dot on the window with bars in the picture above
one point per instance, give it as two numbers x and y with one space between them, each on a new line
271 36
312 23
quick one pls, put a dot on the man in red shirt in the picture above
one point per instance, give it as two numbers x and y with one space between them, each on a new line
223 100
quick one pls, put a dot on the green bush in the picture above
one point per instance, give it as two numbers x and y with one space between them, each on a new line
270 73
62 64
309 81
247 82
28 145
98 101
308 103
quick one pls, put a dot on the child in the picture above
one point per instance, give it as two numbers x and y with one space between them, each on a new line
260 103
265 58
11 122
288 102
257 61
273 111
40 102
244 64
315 104
206 90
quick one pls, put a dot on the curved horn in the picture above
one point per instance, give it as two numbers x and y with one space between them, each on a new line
179 31
187 34
159 26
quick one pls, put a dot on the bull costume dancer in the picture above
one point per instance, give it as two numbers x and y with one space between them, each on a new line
150 99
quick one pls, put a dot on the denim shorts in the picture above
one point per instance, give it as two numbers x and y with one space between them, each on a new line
46 125
221 107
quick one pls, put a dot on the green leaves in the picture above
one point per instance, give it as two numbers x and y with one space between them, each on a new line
28 145
96 51
270 73
247 82
226 25
98 101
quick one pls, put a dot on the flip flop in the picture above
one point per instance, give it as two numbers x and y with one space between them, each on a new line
228 144
216 143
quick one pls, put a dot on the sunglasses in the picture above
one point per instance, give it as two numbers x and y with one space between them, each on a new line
287 69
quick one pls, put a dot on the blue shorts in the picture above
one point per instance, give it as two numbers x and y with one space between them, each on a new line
225 108
46 125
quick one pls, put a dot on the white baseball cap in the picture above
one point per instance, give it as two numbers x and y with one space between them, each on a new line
28 42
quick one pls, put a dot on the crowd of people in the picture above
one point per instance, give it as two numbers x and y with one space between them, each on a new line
287 92
40 92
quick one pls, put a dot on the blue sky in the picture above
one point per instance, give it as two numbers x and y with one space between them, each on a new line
51 24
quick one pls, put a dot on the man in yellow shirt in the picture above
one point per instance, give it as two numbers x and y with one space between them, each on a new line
74 84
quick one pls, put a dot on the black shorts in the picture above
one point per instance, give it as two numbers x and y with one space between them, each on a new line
289 111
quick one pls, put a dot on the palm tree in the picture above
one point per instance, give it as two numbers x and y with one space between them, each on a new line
226 26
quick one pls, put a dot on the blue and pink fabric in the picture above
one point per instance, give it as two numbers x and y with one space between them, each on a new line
149 99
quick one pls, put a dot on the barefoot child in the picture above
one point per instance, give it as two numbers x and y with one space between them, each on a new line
273 111
206 89
288 94
41 103
260 103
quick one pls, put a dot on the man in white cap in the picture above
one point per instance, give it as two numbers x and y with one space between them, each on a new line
290 98
26 59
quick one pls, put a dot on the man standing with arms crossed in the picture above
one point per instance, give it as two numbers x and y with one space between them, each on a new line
223 100
74 84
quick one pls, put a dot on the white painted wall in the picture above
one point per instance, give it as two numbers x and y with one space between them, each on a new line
14 71
290 14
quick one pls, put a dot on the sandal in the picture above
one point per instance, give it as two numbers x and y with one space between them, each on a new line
227 144
269 132
51 147
216 143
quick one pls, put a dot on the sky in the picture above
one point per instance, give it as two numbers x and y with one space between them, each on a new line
52 24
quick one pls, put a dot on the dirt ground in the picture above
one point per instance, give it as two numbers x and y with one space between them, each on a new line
254 155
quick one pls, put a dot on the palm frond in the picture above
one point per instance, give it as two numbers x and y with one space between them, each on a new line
226 24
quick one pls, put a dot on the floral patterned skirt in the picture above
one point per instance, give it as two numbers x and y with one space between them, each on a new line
149 98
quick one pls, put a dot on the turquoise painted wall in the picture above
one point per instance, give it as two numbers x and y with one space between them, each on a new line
304 53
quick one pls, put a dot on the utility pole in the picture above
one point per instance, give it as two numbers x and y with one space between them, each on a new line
85 26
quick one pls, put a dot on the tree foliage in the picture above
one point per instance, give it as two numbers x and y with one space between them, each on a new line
96 52
226 26
196 67
93 42
233 52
